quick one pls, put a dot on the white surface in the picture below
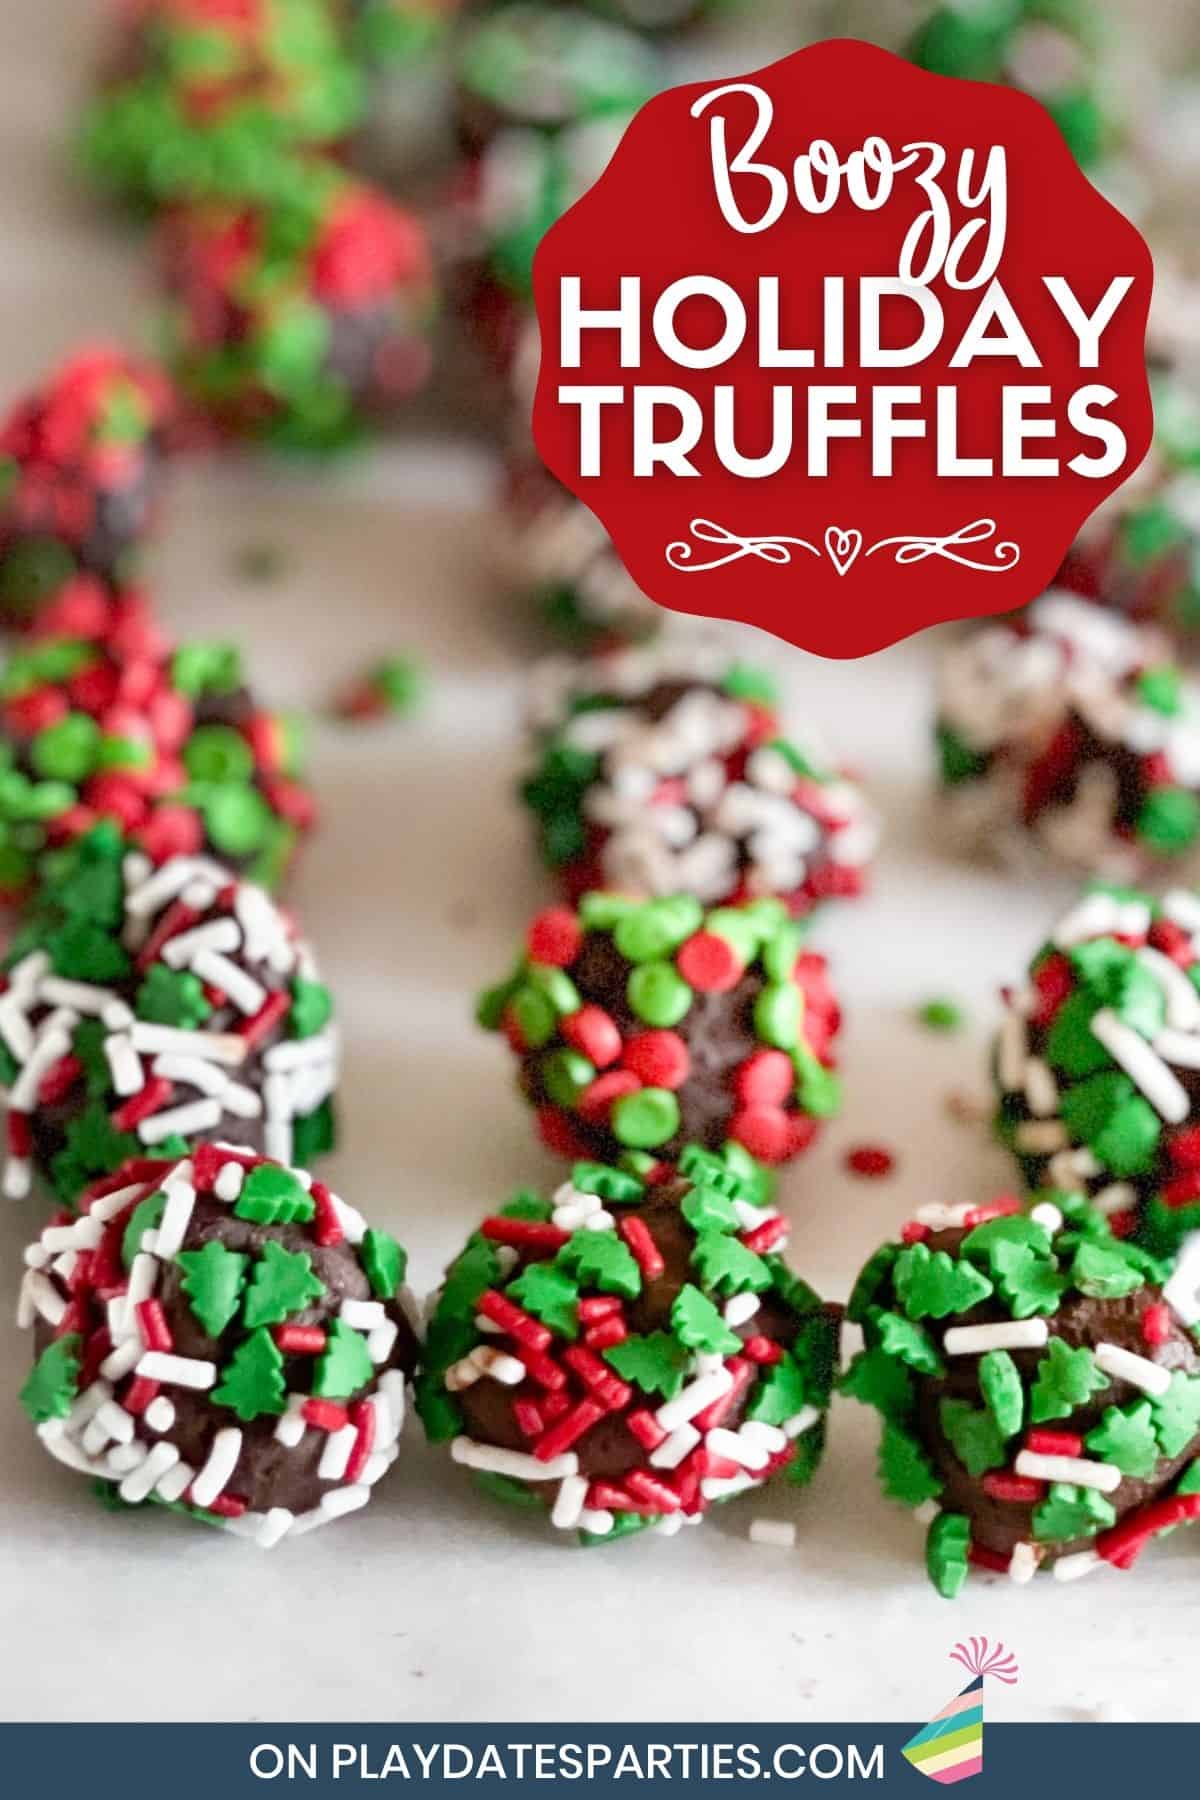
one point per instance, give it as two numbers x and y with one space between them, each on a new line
436 1604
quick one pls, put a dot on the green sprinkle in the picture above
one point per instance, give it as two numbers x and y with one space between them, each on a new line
946 1544
708 1209
905 1472
53 1382
910 1343
311 1008
253 1382
1125 1437
344 1366
1177 1414
66 751
929 1284
146 1216
385 1262
534 1017
781 1393
658 994
218 753
283 1283
655 930
1105 1272
213 1281
549 1293
700 1325
1001 1387
941 1015
1066 1379
599 1259
972 1433
877 1379
172 997
565 1074
615 1185
656 1363
1070 1512
779 1014
727 1266
274 1196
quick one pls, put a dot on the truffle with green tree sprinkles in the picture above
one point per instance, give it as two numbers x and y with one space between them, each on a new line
201 99
101 717
630 1352
80 465
1097 1062
662 769
145 1010
1071 731
643 1026
221 1335
304 322
1038 1393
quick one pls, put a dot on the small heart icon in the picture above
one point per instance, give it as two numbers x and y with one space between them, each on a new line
842 547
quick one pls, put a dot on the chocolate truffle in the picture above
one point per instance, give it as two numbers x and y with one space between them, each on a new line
1047 48
547 66
1068 730
199 98
644 1026
1035 1386
101 717
146 1010
558 556
223 1336
662 770
302 323
1097 1062
628 1353
80 460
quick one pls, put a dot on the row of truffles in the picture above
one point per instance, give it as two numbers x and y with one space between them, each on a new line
642 1026
102 717
1070 731
146 1011
662 770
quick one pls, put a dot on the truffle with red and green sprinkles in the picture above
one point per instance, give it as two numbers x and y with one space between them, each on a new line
1070 731
1097 1062
302 323
200 98
644 1026
1039 1394
223 1336
630 1352
662 769
80 464
146 1010
102 717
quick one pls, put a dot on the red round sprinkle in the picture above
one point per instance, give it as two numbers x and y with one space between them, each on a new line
765 1131
558 1134
555 937
1184 1148
871 1161
709 964
764 1079
593 1033
658 1058
596 1101
1156 1324
913 1232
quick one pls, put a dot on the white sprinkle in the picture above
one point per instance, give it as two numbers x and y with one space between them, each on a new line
1078 1470
51 1047
175 1483
1181 1048
122 1459
732 1446
354 1226
382 1341
939 1215
34 1257
393 1392
275 1526
84 1234
159 1415
694 1399
335 1458
1015 1334
111 1204
143 1278
152 894
219 1047
1011 1053
720 1487
1041 1089
181 1371
1143 1065
188 1120
209 1077
1047 1214
301 1053
117 1016
216 934
1081 1562
126 1356
248 995
241 1101
1183 1002
674 1449
509 1371
1095 916
1023 1564
1041 1137
740 1309
926 1513
596 1522
494 1461
217 1472
800 1422
776 1533
1182 1290
80 996
86 1405
18 1178
177 1214
364 1315
1138 1371
137 1486
568 1507
114 1422
291 1428
45 1298
124 1064
15 1028
1182 908
344 1500
1117 1196
230 1179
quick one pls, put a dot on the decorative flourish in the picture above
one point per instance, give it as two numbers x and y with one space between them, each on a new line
843 545
1005 555
977 1659
769 549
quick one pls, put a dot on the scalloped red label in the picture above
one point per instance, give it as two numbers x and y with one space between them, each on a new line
842 349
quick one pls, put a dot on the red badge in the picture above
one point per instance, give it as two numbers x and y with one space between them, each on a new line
842 349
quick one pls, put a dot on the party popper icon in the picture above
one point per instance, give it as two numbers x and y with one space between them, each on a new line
950 1747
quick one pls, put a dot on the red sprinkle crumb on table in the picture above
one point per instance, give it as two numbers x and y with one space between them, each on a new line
872 1162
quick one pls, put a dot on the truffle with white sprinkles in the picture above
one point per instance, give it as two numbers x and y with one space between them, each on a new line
224 1336
662 769
1036 1387
1097 1062
630 1352
146 1010
1071 731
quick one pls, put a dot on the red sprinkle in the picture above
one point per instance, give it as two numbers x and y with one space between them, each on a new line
152 1321
871 1161
530 1422
525 1234
138 1395
647 1487
545 1371
764 1237
743 1373
593 1033
555 937
636 1234
227 1506
1156 1324
139 1106
326 1415
605 1334
643 1425
58 1081
1054 1443
597 1307
558 1133
525 1330
327 1227
1182 1191
1124 1542
569 1429
1184 1148
1002 1207
597 1377
658 1058
709 963
913 1232
595 1101
983 1558
273 1009
177 918
299 1340
764 1079
765 1131
762 1349
1020 1488
362 1417
19 1133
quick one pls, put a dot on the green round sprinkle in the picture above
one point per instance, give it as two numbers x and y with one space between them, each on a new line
534 1015
658 994
646 1119
238 818
940 1015
66 751
781 950
124 753
600 911
218 753
739 929
557 986
658 928
565 1074
778 1014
